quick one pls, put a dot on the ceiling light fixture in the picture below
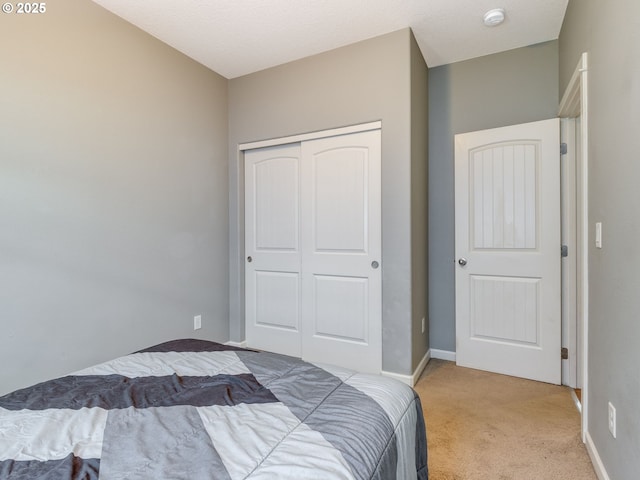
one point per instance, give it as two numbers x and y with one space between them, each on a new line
494 17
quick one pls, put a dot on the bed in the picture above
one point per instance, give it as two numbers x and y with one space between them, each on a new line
193 409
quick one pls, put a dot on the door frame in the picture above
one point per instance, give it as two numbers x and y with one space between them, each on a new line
574 104
334 132
569 192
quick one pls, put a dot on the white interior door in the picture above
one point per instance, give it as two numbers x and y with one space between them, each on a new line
508 292
272 248
341 251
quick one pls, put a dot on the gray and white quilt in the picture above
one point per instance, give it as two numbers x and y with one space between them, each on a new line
192 409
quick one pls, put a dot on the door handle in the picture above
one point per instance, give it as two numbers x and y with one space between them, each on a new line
462 261
249 259
374 264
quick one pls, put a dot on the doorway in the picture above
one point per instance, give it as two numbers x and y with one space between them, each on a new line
574 110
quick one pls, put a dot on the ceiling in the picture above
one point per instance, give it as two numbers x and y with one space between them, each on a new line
237 37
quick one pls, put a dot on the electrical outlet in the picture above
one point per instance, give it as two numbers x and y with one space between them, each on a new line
422 324
197 322
612 419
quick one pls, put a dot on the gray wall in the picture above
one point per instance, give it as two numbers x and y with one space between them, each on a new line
113 193
363 82
512 87
611 36
419 205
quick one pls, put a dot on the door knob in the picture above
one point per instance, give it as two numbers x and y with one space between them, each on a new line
462 261
374 264
249 259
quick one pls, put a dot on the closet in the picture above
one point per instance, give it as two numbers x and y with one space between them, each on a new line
313 249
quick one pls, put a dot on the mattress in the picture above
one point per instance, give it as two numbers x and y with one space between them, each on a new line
193 409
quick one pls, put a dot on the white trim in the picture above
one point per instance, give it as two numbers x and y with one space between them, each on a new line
443 355
570 103
575 103
410 380
242 344
576 400
406 379
584 281
363 127
598 466
421 366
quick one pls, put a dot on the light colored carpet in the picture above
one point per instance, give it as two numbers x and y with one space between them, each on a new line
484 426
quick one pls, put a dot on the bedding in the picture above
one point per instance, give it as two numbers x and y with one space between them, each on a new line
193 409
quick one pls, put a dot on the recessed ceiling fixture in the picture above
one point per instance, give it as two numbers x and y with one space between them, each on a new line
494 17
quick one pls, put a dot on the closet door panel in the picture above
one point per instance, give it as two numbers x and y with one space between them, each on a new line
340 200
272 249
341 251
340 308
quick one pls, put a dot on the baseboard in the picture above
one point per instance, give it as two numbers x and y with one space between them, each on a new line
598 466
443 355
576 400
242 344
411 380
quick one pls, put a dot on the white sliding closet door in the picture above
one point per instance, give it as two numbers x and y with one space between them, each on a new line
341 251
313 246
272 247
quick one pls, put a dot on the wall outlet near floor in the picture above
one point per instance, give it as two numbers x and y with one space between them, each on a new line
612 419
422 324
197 322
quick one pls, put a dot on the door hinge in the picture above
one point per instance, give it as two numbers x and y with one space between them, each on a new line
564 251
564 353
563 148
